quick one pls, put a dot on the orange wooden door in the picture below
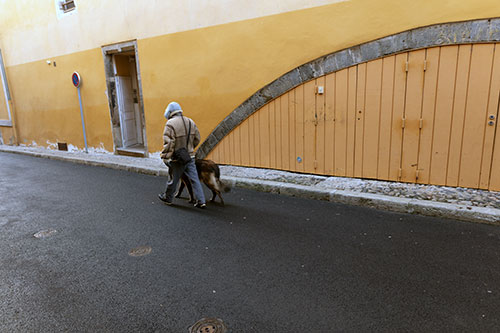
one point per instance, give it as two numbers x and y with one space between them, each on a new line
427 116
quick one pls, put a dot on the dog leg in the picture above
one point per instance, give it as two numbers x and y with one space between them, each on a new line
221 200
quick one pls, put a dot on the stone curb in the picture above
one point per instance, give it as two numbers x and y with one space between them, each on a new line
91 162
383 202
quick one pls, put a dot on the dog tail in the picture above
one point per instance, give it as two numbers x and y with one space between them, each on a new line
224 187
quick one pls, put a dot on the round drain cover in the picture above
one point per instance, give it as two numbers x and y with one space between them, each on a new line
140 251
208 325
45 233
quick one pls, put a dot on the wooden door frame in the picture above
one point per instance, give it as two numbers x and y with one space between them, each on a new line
108 51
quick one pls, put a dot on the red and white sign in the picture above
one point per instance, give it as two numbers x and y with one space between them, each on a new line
77 81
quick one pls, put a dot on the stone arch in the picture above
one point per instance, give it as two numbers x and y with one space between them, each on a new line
468 32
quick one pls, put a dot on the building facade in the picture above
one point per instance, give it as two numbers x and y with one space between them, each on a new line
395 90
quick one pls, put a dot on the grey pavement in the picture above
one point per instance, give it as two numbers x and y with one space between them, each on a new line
263 263
470 205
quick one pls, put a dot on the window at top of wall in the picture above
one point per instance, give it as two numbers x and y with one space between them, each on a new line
67 5
65 8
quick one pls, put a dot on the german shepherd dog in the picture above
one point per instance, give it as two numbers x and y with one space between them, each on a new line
209 174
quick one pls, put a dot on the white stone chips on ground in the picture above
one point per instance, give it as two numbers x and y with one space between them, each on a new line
455 195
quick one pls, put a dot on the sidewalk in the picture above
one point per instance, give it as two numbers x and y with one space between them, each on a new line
456 203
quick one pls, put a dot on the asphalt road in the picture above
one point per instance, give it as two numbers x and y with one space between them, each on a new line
263 263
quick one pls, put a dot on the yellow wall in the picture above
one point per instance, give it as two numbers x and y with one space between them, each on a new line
208 70
47 106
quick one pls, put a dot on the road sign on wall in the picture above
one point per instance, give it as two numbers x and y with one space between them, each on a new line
76 79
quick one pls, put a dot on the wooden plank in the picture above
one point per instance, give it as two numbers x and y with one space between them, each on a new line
251 140
427 115
309 127
214 155
230 141
457 123
372 118
443 114
227 151
221 151
413 108
475 115
341 121
494 182
330 97
320 128
245 149
387 96
400 76
278 144
351 119
265 155
292 124
258 157
285 131
272 134
492 111
495 163
220 148
299 129
360 114
238 145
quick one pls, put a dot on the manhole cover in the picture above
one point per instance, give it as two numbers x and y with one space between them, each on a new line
140 251
45 233
208 325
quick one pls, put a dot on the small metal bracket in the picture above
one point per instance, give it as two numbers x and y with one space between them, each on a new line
403 123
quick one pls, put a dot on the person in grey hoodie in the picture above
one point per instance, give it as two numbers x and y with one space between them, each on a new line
175 136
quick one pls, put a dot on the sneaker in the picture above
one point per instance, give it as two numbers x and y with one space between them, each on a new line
163 197
200 205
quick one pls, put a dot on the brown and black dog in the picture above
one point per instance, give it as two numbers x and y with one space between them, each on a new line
209 174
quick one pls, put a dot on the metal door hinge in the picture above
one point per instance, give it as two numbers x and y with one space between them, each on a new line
400 173
421 123
425 65
315 164
403 123
407 65
416 175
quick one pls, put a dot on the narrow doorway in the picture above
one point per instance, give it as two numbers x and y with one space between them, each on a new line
125 99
